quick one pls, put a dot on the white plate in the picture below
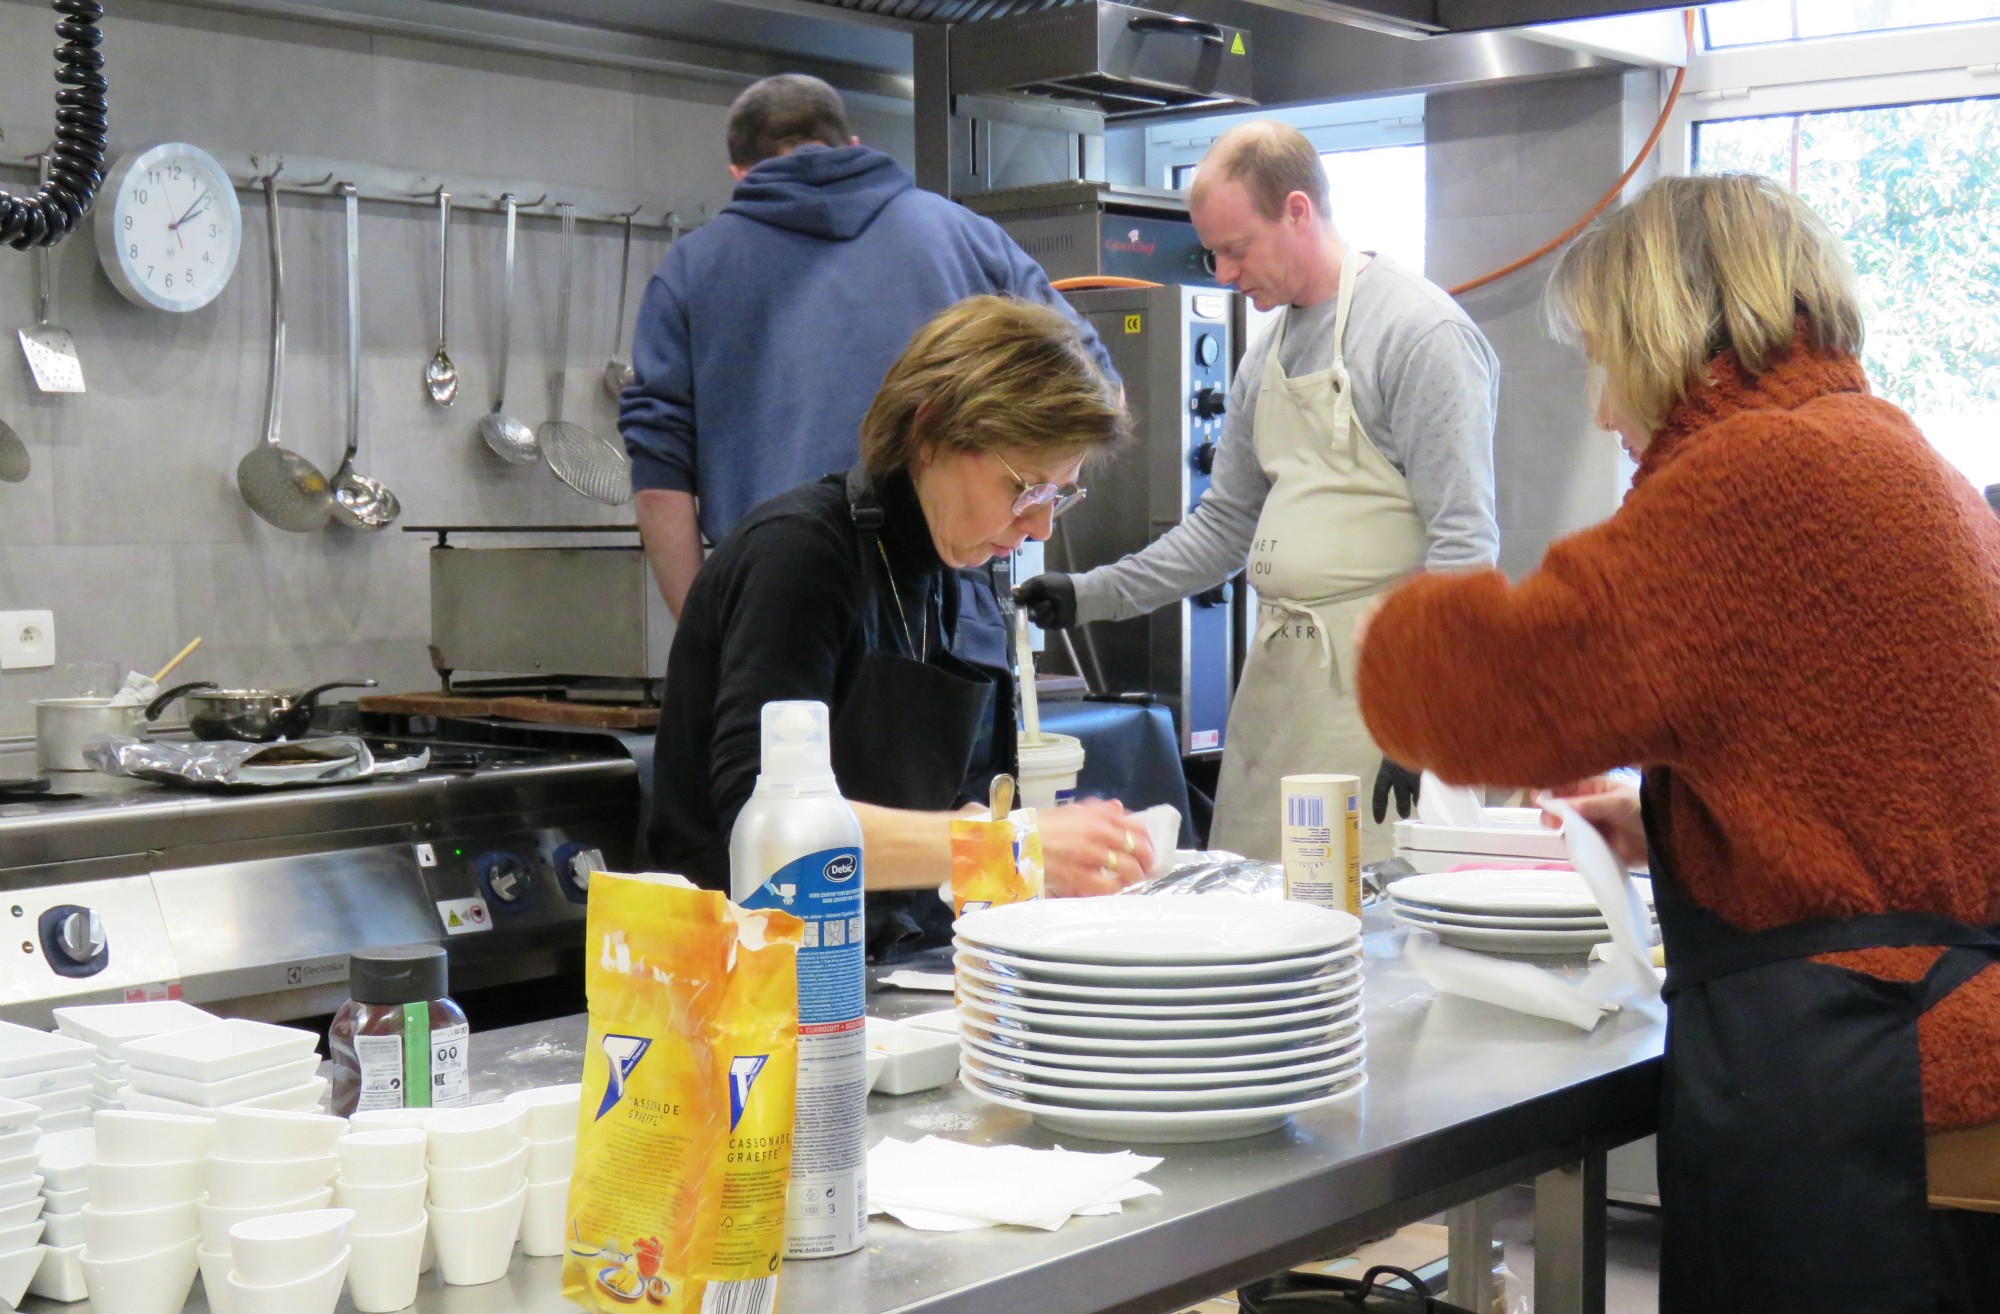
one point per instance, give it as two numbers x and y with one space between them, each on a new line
1524 922
972 966
1269 1042
1159 1127
1335 963
1335 1061
1221 929
24 1050
220 1050
1491 939
1036 1024
1216 1097
1146 1065
972 987
1504 892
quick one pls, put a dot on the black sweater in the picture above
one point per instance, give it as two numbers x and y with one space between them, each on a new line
776 613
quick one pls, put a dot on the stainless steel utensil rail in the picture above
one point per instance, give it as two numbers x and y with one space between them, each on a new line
1462 1099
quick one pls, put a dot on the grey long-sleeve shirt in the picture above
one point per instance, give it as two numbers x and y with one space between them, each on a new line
1426 384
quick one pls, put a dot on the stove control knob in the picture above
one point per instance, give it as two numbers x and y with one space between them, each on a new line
574 863
1203 459
1209 403
80 936
504 878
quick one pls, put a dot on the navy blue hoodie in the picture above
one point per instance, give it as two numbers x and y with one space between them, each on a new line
765 333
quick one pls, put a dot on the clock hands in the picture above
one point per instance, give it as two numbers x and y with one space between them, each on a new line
200 202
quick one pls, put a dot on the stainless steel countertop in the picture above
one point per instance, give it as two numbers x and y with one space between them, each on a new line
1462 1099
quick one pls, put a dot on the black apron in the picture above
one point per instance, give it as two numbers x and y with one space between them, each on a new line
1791 1148
909 733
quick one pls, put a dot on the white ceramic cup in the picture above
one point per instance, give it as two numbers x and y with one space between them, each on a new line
62 1229
127 1136
551 1161
377 1209
238 1182
276 1249
157 1283
276 1134
128 1233
216 1220
314 1293
383 1119
215 1280
460 1138
552 1110
67 1202
474 1246
382 1158
479 1184
545 1218
382 1274
146 1185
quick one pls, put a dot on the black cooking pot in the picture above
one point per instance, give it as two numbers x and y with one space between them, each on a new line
256 716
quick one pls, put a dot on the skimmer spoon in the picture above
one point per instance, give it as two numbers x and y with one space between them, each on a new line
358 501
440 375
510 439
283 487
580 458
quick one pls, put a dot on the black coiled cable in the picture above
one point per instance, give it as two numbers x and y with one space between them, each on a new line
76 166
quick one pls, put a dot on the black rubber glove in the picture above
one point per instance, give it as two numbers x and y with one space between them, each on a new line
1395 778
1049 600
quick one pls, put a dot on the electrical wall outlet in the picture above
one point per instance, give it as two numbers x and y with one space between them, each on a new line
27 640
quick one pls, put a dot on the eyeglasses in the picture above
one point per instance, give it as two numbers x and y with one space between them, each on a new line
1057 497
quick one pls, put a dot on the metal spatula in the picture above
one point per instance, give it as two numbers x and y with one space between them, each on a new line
50 350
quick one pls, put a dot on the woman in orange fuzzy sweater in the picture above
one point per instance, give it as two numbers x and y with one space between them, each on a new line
1792 624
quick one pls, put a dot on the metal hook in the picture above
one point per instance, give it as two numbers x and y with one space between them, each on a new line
535 204
306 187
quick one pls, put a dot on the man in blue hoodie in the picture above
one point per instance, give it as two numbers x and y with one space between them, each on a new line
763 336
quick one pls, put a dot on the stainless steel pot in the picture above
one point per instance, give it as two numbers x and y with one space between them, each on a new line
256 716
63 726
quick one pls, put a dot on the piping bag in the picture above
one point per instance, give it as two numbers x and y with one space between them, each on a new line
1625 976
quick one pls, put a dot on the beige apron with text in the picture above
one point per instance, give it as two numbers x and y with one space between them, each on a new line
1337 529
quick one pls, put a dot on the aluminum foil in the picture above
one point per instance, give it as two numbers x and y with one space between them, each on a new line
230 764
1230 873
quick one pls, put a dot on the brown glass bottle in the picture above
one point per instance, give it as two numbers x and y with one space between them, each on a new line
399 1041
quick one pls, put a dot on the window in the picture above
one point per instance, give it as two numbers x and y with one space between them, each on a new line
1377 199
1765 22
1914 191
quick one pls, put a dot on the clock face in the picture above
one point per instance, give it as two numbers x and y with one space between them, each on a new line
169 228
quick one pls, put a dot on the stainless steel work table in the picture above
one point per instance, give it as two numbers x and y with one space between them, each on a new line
1462 1100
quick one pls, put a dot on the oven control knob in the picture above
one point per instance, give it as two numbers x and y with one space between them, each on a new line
574 863
80 936
1206 350
1204 456
1216 597
504 878
1209 403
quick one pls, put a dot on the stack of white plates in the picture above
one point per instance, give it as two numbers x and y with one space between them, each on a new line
110 1027
1505 911
223 1063
48 1071
1160 1020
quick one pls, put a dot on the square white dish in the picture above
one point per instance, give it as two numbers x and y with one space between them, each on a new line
67 1120
64 1156
110 1026
60 1278
16 1114
21 1188
230 1090
220 1050
24 1050
45 1081
914 1060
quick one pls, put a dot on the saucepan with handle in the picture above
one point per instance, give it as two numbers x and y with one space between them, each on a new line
256 716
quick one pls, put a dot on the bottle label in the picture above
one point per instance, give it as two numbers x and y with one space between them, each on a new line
380 1059
826 1206
417 1055
449 1054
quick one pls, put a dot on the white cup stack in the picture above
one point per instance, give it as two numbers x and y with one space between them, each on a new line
65 1174
284 1264
141 1228
21 1200
551 1126
50 1072
478 1163
229 1063
110 1027
266 1162
382 1184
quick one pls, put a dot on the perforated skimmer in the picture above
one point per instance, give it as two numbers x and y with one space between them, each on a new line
592 466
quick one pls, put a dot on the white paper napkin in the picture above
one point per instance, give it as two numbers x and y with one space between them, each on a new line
937 1185
904 979
1439 804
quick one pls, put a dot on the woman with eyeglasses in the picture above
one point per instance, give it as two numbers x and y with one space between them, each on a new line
846 591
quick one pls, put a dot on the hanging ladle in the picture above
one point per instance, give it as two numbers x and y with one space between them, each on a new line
281 486
510 439
440 375
358 501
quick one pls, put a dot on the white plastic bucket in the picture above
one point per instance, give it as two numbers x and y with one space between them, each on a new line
1049 770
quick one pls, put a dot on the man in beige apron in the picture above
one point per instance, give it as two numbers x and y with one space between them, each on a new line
1325 517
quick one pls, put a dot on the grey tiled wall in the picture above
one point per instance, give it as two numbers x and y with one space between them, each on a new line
130 527
1508 168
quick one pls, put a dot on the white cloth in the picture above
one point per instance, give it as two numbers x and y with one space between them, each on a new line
936 1185
904 979
1338 528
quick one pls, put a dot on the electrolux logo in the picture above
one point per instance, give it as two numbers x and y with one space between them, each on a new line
1132 243
842 868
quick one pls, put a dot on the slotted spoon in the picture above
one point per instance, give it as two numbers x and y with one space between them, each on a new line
281 486
358 501
510 439
581 459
